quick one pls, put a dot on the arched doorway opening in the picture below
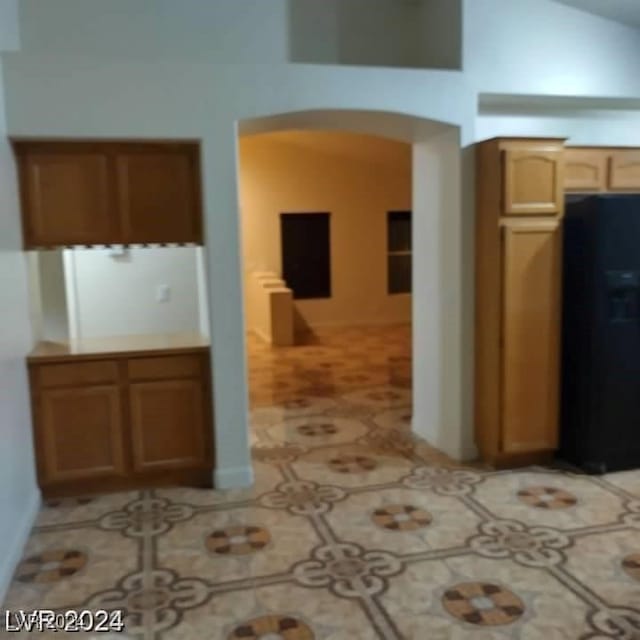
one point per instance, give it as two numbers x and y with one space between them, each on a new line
440 369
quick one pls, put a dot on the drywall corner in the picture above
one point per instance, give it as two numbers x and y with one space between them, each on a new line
12 550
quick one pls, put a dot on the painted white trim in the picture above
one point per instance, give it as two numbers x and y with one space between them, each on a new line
32 259
12 553
71 289
203 304
234 477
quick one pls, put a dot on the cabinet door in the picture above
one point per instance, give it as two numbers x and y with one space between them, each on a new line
168 425
532 182
80 433
158 193
585 170
66 195
530 335
624 170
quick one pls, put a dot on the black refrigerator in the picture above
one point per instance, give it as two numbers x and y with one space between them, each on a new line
600 407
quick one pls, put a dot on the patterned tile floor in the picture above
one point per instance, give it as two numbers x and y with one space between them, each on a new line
353 530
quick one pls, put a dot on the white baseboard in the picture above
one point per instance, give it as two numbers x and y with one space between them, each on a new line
12 553
235 477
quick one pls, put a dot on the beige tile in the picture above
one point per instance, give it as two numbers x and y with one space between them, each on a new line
415 600
627 480
351 466
106 556
449 524
597 562
69 510
593 505
212 545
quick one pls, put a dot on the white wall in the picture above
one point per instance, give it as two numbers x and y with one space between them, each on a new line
47 96
117 295
220 30
524 46
367 32
313 27
439 29
357 179
396 33
19 496
53 298
542 47
580 127
378 32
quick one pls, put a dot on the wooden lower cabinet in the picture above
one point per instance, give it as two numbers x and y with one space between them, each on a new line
80 433
518 273
125 422
530 336
156 409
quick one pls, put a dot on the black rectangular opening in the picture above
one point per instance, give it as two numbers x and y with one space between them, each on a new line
306 254
399 261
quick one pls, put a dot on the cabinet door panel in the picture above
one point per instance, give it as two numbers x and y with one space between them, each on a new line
585 170
158 193
67 197
167 424
532 182
624 171
81 433
530 336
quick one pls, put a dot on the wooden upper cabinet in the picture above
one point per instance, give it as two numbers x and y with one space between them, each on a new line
532 180
159 193
87 193
585 170
624 170
531 267
66 195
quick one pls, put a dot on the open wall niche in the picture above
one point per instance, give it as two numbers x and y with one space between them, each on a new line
115 291
384 33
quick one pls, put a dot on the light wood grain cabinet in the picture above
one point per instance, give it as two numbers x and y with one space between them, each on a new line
624 170
66 195
81 433
532 180
601 169
122 422
530 335
519 207
157 190
585 170
156 409
88 193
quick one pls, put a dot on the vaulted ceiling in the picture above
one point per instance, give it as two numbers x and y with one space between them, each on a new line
624 11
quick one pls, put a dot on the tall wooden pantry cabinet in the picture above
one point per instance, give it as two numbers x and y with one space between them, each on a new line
519 208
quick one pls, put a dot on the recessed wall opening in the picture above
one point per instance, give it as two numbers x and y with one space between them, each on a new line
327 291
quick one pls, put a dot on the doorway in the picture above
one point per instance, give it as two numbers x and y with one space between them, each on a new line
442 299
306 254
326 228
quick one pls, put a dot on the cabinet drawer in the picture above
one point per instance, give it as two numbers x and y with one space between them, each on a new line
188 366
76 373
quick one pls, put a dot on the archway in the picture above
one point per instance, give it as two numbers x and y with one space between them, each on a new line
441 368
